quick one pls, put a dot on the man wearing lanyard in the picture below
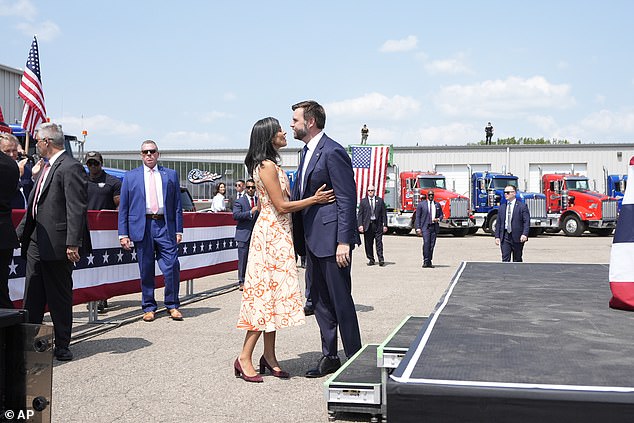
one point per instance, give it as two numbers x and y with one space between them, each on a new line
372 221
511 231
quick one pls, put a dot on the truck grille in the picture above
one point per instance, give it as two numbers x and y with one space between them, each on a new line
609 209
459 208
536 207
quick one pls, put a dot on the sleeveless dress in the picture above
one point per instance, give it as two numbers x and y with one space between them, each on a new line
271 298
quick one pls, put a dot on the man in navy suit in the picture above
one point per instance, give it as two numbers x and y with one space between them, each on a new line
245 212
372 218
151 216
511 234
428 217
327 234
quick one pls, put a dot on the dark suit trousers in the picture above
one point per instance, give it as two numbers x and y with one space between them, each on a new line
157 244
509 248
5 259
331 294
373 235
429 242
243 255
49 282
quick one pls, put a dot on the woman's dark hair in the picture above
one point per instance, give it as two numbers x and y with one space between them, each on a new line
217 189
261 146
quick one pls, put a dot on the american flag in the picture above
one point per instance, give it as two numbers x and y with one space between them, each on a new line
370 167
621 263
31 91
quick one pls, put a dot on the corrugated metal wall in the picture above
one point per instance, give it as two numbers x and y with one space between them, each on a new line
518 159
9 83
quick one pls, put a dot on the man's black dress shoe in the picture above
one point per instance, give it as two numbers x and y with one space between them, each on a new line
309 311
63 354
371 263
381 263
325 366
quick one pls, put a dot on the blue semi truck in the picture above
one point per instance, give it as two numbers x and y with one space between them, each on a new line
615 187
486 193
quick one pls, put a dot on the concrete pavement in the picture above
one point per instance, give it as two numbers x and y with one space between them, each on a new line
182 371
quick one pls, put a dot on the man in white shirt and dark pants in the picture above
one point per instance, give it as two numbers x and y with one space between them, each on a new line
511 231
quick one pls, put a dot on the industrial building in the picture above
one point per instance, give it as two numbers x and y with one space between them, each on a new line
527 162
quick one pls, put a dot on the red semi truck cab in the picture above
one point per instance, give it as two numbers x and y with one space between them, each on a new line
413 187
574 208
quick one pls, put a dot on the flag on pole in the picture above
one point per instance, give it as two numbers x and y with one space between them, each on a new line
31 92
622 254
370 166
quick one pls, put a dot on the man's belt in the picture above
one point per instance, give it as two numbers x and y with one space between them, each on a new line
155 216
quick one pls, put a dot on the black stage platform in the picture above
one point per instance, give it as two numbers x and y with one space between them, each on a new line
520 342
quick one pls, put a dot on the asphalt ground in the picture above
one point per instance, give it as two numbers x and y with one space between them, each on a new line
127 370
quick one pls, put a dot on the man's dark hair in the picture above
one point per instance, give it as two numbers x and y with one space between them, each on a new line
312 109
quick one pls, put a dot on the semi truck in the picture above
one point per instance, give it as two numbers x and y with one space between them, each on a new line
486 189
574 208
615 187
403 192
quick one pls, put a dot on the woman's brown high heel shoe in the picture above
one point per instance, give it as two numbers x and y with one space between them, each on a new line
237 368
277 373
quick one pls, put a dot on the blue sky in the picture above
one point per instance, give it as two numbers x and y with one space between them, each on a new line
198 74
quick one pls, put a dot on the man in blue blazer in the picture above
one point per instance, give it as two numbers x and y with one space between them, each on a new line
511 236
327 234
245 212
151 216
428 217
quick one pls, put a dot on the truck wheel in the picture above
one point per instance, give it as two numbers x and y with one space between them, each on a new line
403 231
572 226
493 222
460 232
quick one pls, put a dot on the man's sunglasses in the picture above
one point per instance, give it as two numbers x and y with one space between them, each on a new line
152 151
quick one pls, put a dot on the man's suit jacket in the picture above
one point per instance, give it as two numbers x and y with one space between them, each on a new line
242 215
132 203
423 218
323 226
520 221
61 211
365 213
9 177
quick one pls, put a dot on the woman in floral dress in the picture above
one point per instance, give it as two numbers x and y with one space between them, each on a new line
272 298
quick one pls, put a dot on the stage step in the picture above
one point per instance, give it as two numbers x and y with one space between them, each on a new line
359 386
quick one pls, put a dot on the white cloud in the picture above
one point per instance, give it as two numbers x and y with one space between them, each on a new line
406 44
101 126
21 9
453 66
215 116
456 133
511 97
375 105
609 122
545 123
189 140
229 96
45 31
